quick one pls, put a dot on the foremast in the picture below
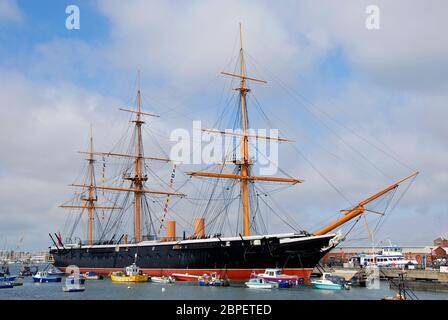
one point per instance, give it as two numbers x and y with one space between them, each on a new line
92 197
245 164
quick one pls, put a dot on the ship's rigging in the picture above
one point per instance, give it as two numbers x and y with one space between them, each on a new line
215 199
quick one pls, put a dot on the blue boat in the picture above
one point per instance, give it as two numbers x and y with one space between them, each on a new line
55 272
43 276
6 285
71 286
285 284
8 278
327 283
80 289
72 280
214 281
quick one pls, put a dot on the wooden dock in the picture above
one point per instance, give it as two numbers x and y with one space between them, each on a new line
417 274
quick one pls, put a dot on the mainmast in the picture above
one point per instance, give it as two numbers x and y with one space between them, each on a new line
245 163
138 179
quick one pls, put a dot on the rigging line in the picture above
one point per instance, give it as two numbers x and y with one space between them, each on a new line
286 222
287 215
225 219
393 192
398 200
174 212
322 175
271 124
150 216
314 168
272 162
201 89
360 229
334 132
331 118
218 215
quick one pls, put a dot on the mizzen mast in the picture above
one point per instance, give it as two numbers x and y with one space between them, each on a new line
245 164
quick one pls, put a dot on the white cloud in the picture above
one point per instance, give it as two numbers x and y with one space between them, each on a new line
407 52
10 12
185 43
41 129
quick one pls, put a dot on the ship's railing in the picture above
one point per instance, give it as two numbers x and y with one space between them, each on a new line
132 241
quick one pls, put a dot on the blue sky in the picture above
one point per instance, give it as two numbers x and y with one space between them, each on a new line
386 85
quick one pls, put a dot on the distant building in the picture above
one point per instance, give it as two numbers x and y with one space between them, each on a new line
438 252
422 254
441 242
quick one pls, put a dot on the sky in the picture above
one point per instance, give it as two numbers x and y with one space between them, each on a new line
366 106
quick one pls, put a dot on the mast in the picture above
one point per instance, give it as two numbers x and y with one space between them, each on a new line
245 164
137 179
92 198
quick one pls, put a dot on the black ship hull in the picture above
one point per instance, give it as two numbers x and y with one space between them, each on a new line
237 258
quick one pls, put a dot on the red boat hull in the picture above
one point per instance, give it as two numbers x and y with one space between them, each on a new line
232 274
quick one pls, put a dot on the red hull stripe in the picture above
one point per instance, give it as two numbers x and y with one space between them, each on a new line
233 274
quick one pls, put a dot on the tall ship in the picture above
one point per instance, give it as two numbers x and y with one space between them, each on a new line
128 218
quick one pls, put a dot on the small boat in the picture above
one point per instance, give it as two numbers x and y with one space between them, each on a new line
132 274
17 284
163 279
212 280
5 275
28 271
43 276
6 285
53 271
185 277
92 275
72 287
80 289
7 278
260 283
276 275
74 280
326 282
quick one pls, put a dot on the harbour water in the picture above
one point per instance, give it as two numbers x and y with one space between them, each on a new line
106 290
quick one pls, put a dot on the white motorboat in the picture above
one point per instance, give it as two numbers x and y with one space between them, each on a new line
260 283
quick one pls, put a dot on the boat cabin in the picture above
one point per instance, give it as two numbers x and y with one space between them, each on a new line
273 272
133 270
257 281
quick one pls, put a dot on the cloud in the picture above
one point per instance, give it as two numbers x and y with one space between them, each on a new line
185 43
41 128
393 95
10 11
406 52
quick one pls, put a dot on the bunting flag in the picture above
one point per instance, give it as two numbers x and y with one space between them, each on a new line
103 180
167 201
